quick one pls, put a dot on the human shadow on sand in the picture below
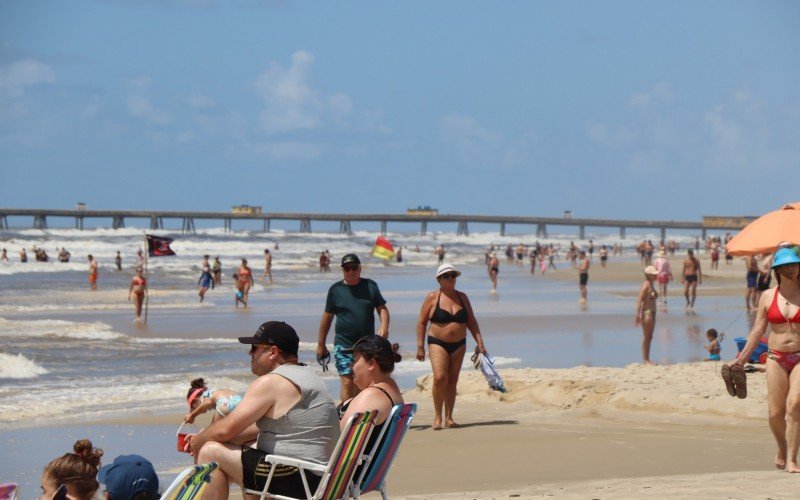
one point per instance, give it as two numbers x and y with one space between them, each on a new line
469 424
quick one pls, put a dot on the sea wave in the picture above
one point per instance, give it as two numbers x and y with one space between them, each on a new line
19 367
57 328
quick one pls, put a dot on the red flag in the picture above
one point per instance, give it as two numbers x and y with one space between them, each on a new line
158 246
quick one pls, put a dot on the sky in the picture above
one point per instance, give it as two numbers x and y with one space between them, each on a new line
616 109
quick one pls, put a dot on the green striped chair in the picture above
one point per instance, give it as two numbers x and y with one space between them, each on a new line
190 483
337 474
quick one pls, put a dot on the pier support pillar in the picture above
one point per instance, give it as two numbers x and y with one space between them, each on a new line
383 228
541 230
3 222
228 225
423 230
344 227
704 234
463 229
154 222
79 223
622 232
266 225
305 226
187 227
40 222
502 229
582 232
663 234
117 222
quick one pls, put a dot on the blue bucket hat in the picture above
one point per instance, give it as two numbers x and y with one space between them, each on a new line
785 256
129 475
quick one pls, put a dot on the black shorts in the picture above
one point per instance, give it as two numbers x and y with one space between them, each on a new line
286 480
583 279
764 282
690 278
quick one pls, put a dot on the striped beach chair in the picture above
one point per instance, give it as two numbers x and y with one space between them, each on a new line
337 474
190 483
378 460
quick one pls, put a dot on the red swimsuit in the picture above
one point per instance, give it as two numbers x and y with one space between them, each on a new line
787 360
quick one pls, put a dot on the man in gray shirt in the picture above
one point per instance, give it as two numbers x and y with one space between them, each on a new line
286 410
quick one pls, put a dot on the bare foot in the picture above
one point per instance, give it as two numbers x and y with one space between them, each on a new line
780 461
437 423
450 424
792 468
648 362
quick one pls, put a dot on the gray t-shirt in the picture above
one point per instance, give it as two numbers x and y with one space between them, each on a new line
310 429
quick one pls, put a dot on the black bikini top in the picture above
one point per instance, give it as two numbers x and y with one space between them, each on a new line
442 316
342 408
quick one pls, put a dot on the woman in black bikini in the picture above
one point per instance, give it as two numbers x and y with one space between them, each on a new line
450 314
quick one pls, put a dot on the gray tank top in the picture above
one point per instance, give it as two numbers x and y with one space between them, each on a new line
310 429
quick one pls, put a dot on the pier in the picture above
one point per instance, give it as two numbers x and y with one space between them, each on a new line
539 225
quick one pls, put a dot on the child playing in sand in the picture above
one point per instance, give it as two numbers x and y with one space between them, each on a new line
201 399
713 346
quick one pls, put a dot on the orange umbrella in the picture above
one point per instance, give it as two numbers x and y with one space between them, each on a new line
764 234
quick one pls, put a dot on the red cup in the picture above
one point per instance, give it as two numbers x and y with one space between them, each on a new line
182 441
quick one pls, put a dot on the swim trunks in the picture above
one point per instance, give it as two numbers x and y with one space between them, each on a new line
690 278
752 277
714 357
583 279
343 360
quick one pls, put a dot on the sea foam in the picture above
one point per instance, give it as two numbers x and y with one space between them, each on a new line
18 367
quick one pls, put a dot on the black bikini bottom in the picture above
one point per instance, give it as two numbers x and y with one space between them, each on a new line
450 347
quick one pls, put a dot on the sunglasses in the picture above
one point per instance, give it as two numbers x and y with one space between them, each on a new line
449 276
253 347
348 269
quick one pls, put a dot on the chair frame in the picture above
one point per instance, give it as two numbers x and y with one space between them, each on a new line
397 423
337 474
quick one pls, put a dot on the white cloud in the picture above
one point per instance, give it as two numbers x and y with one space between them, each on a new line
18 76
199 101
475 143
293 103
662 93
141 107
606 135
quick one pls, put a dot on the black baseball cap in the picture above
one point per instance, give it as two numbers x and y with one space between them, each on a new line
351 259
275 333
372 344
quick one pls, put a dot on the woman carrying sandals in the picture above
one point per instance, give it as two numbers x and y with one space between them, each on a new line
779 308
450 315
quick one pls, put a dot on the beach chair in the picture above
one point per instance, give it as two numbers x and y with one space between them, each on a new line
337 474
8 491
378 460
190 483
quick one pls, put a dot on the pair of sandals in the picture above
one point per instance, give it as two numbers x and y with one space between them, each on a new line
324 360
735 379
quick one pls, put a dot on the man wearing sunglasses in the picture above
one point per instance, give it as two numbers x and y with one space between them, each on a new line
287 410
353 302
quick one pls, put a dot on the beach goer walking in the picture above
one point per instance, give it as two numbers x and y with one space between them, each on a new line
778 309
603 253
692 276
583 274
450 315
713 346
399 255
493 268
118 261
23 256
661 263
138 290
353 302
4 257
324 262
201 399
286 410
753 269
206 280
64 255
244 281
646 311
440 253
92 272
238 296
76 470
267 265
764 275
139 258
216 268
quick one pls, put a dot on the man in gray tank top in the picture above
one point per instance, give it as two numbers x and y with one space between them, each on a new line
286 411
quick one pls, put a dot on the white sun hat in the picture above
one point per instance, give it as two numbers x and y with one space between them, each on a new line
447 268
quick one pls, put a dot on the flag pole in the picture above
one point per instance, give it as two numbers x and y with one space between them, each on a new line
146 279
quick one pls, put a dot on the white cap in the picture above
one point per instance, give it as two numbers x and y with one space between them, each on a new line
447 268
650 270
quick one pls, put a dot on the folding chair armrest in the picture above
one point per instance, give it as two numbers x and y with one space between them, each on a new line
294 462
